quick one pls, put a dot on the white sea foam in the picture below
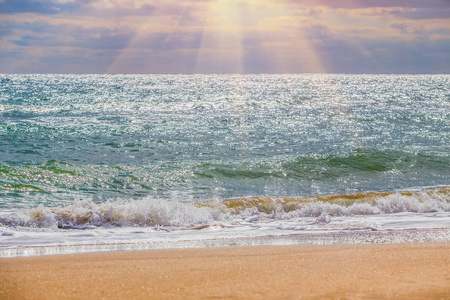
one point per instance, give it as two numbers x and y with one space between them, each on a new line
123 213
148 211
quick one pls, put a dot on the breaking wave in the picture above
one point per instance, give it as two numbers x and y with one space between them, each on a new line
85 214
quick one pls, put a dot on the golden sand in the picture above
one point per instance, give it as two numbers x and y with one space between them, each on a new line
399 271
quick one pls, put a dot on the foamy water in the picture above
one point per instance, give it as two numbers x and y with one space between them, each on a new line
152 224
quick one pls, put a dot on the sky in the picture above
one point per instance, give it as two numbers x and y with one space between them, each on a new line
224 36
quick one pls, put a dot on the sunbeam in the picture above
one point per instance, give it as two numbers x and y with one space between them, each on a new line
152 33
236 30
221 49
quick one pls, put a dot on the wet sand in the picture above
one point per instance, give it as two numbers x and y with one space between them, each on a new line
400 271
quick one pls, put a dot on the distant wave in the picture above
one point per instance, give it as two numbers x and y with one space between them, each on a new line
53 175
320 167
85 214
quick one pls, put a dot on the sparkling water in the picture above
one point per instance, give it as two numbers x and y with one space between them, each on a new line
89 151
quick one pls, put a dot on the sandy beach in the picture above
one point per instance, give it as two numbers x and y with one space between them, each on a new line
400 271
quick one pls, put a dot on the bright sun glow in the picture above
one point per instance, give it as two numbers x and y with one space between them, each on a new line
230 23
225 27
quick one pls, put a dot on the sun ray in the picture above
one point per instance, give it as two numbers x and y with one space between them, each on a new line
141 44
221 49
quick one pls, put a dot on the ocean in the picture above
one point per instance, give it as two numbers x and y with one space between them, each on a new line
117 162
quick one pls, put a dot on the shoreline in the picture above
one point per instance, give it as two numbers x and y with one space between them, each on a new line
348 237
407 270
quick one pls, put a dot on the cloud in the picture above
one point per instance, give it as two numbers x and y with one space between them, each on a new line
41 34
400 26
359 4
44 7
100 8
420 13
381 56
419 30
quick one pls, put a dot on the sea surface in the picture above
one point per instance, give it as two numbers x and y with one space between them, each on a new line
96 162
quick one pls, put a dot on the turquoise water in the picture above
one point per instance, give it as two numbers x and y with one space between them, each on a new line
203 137
96 162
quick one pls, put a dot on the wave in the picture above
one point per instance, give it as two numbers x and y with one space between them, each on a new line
363 169
313 167
53 178
330 166
85 214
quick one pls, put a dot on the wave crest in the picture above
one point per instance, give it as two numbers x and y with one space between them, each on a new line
85 214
